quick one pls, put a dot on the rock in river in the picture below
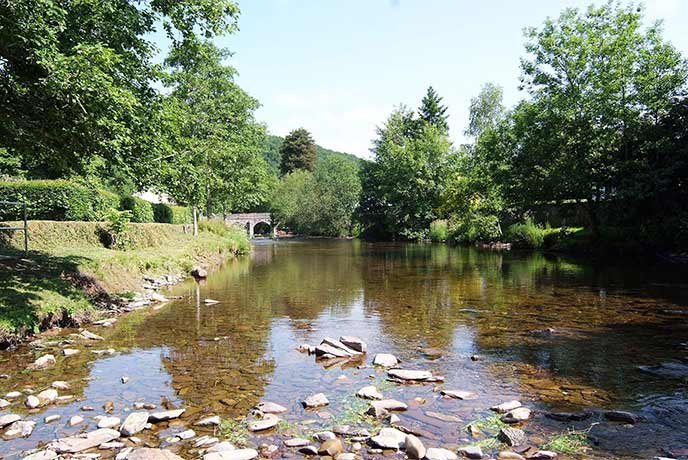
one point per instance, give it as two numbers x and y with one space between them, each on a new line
163 416
621 416
238 454
458 394
474 452
385 360
134 423
60 385
506 406
48 396
369 392
520 414
79 443
316 400
267 422
331 447
389 438
146 453
415 450
32 402
42 455
438 453
408 374
512 436
381 408
43 362
296 442
199 272
354 343
8 419
108 422
90 335
542 455
4 403
268 407
19 429
209 421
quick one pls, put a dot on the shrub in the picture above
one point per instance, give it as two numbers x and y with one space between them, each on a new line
116 235
170 214
55 200
526 235
141 210
474 228
439 230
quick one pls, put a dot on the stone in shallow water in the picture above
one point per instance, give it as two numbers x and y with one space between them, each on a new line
165 415
205 441
70 352
75 420
389 438
458 394
75 444
296 442
325 350
209 421
337 344
43 362
223 446
408 374
19 429
270 407
32 402
145 453
267 422
90 335
438 453
52 418
134 423
385 360
60 385
316 400
237 454
381 408
520 414
512 436
506 406
542 455
13 395
444 417
331 447
108 422
48 396
4 403
323 436
308 450
354 343
415 450
474 452
42 455
621 416
509 455
369 392
8 419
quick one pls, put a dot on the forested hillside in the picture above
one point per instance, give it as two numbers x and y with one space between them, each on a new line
272 153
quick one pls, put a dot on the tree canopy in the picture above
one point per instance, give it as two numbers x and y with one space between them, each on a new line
298 152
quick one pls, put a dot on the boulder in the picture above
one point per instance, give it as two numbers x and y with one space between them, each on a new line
213 420
512 436
354 343
331 447
43 362
8 419
32 402
316 400
79 443
385 360
458 394
237 454
267 422
108 422
270 408
408 374
381 408
438 453
621 416
474 452
389 438
19 429
163 416
505 407
134 423
147 453
48 396
415 450
369 392
518 415
42 455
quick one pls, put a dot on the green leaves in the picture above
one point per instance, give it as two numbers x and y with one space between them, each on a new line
298 151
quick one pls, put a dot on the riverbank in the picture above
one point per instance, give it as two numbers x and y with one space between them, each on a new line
70 276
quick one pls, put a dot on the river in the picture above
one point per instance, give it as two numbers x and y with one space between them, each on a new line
559 335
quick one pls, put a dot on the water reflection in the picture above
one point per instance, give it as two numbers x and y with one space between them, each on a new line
561 334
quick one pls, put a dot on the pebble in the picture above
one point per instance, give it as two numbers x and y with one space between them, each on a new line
75 420
111 445
125 379
381 408
52 418
13 395
621 416
221 447
331 447
512 436
42 455
20 428
323 436
134 423
458 394
296 442
90 335
408 374
32 402
543 455
509 455
8 419
166 415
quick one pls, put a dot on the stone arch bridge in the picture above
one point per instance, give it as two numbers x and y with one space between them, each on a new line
250 220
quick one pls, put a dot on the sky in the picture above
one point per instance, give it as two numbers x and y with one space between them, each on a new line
339 67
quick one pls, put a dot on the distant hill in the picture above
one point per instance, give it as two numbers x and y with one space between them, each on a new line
272 154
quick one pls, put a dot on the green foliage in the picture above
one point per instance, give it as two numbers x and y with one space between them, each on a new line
572 442
298 152
271 153
432 112
141 210
492 422
117 229
171 214
234 431
526 235
55 200
439 230
486 110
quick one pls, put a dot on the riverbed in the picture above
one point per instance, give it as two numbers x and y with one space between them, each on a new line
562 336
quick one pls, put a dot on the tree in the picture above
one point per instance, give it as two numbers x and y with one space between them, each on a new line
298 152
293 202
77 78
486 110
596 79
432 112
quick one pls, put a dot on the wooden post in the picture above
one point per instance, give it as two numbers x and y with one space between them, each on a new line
26 232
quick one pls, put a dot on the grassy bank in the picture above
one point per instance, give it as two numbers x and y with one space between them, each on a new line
70 274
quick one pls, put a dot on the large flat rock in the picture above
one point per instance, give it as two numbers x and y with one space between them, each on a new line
75 444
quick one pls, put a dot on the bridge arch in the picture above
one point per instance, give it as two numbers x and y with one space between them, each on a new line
249 221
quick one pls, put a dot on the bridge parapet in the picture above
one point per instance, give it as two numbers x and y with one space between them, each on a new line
250 220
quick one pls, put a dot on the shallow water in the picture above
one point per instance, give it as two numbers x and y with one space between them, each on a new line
433 306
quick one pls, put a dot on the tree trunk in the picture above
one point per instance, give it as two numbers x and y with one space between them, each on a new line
195 220
592 208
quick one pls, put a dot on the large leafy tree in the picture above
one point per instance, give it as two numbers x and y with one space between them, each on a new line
298 151
486 110
76 78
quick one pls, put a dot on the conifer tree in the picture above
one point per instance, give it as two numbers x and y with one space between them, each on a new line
298 152
433 112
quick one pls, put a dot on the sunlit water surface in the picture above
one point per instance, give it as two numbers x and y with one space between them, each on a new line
433 306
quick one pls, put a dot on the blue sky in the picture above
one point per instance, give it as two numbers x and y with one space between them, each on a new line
339 67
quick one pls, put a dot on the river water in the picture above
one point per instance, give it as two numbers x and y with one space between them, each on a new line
559 335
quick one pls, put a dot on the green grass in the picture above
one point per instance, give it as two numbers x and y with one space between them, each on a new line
234 431
492 422
353 413
571 442
69 272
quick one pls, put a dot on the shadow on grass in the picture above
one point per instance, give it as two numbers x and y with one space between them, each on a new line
42 290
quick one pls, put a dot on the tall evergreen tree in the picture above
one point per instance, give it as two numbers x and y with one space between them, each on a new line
433 112
298 152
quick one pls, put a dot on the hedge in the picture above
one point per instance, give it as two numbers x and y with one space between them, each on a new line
141 210
55 200
170 214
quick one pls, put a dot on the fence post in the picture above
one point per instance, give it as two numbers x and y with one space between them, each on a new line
26 233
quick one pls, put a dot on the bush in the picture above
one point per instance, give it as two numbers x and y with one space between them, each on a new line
439 230
170 214
55 200
526 235
116 235
474 228
141 210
